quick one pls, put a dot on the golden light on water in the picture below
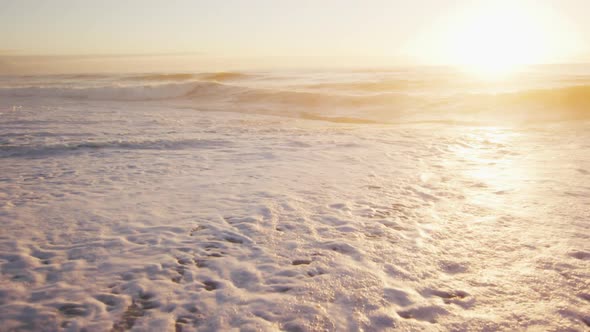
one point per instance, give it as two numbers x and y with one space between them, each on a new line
489 160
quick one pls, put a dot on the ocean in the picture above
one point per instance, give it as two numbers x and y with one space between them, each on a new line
408 198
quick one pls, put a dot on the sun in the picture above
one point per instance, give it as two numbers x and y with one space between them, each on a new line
495 38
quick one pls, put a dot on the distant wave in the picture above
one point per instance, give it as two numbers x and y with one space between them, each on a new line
162 77
336 119
569 102
572 101
376 86
123 93
146 77
320 99
224 76
86 76
577 96
53 149
207 89
215 77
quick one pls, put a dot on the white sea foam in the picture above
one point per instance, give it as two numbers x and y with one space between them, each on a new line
121 213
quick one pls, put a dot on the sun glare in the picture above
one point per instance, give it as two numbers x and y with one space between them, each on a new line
493 39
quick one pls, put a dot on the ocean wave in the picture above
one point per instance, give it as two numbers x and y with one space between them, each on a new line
172 77
376 86
210 90
336 119
321 99
563 103
162 77
224 76
40 150
577 96
123 93
572 100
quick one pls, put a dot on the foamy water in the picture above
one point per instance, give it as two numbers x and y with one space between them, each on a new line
416 199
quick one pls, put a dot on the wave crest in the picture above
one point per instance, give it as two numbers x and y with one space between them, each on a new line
224 76
564 102
115 93
163 77
577 96
218 77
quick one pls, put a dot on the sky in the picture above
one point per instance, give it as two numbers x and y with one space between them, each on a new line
234 32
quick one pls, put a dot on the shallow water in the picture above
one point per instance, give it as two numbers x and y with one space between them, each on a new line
294 201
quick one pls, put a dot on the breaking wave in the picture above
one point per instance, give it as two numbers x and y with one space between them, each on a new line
179 77
376 86
162 77
123 93
576 97
224 76
391 96
210 90
565 103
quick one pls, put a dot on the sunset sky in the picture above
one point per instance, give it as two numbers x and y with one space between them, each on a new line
422 31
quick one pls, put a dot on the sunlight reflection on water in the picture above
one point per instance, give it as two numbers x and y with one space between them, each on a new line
494 163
